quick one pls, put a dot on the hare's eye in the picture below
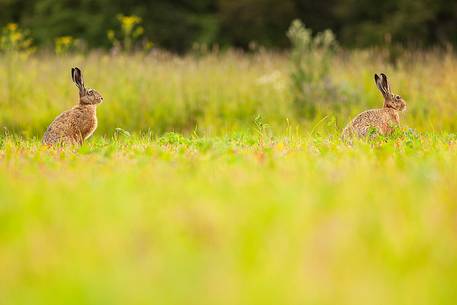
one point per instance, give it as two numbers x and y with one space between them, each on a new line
397 97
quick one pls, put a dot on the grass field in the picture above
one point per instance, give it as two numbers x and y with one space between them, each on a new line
220 93
213 191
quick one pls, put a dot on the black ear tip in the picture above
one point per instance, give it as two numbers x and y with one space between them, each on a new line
383 75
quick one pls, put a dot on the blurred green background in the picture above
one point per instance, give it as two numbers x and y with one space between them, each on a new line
177 24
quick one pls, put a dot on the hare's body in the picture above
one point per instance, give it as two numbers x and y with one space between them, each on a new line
384 120
79 123
73 126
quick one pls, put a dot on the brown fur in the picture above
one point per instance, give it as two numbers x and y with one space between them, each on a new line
384 120
79 123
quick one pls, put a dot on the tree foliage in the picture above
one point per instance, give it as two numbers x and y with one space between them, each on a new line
177 24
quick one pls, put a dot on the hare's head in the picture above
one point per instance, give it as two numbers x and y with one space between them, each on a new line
391 100
86 96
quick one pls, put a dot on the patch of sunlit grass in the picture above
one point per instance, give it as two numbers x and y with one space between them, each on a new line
217 93
246 218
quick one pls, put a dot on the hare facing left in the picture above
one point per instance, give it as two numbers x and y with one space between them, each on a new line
74 126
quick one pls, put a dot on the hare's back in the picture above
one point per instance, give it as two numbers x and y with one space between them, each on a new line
371 117
60 129
381 119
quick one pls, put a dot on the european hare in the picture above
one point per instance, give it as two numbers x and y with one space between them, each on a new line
384 120
79 123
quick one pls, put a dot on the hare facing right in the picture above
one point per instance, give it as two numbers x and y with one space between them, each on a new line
79 123
384 120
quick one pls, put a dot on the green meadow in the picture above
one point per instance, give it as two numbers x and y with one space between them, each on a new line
205 184
224 92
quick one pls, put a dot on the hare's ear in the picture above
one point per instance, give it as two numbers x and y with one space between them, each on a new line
385 83
77 77
379 84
